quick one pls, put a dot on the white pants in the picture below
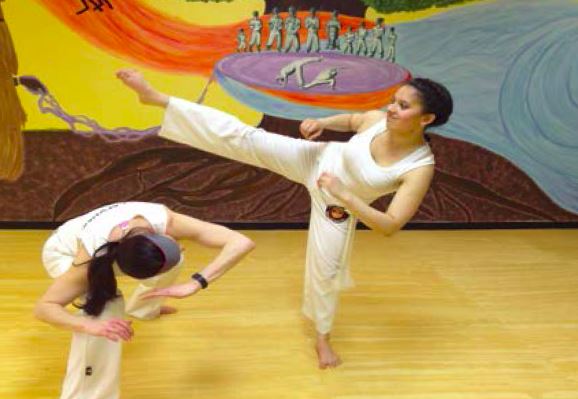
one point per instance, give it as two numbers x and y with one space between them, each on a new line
93 370
329 243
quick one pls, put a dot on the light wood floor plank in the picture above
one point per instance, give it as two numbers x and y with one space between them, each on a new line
434 315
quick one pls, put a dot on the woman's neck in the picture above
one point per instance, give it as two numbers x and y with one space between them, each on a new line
399 141
136 223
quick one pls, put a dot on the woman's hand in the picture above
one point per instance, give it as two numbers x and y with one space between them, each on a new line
333 185
311 128
175 291
113 329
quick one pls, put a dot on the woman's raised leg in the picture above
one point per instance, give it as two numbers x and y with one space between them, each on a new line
222 134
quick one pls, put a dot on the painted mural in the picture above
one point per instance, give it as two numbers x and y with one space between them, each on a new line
72 138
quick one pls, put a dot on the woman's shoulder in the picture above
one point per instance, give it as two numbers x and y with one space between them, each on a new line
370 119
374 115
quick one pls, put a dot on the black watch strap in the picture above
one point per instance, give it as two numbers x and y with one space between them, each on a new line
199 277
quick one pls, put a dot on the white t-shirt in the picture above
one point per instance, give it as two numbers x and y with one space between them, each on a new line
353 163
94 228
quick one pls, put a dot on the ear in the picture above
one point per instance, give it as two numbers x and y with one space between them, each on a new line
426 119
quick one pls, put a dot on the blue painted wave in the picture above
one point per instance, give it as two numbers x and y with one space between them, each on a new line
512 67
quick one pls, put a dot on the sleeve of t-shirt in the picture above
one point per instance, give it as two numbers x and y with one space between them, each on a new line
91 240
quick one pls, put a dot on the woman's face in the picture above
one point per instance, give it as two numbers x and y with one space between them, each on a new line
405 113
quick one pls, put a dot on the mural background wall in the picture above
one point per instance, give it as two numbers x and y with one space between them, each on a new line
508 155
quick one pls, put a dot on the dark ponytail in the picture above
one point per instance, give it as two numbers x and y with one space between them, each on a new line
136 256
102 285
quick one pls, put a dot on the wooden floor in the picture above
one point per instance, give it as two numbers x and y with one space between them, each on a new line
434 315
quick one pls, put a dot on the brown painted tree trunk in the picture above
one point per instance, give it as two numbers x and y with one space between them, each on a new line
12 116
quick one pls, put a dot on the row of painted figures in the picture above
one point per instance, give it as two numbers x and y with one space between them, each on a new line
362 41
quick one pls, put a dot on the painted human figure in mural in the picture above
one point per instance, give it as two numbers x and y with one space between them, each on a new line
325 77
348 41
361 39
295 68
241 40
256 26
391 40
332 28
388 154
85 255
312 26
378 34
275 29
292 26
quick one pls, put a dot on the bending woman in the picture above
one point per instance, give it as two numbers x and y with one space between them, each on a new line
85 254
389 153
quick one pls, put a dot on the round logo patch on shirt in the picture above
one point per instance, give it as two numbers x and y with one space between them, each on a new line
336 213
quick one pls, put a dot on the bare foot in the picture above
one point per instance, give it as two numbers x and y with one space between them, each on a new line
327 357
168 310
146 93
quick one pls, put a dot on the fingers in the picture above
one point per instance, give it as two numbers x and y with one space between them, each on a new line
324 179
315 135
152 294
122 328
310 129
115 329
162 292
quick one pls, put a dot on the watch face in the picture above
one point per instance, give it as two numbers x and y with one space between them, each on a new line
336 213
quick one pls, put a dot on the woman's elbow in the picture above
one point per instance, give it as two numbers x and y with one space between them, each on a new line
391 229
39 311
388 233
246 244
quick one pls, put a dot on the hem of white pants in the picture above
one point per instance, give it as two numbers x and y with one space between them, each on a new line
309 316
168 110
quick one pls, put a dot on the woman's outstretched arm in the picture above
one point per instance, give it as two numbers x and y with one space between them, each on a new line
233 246
313 128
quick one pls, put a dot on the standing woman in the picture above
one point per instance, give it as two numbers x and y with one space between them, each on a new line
388 154
85 255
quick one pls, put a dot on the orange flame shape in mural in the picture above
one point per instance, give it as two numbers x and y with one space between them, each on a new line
149 37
